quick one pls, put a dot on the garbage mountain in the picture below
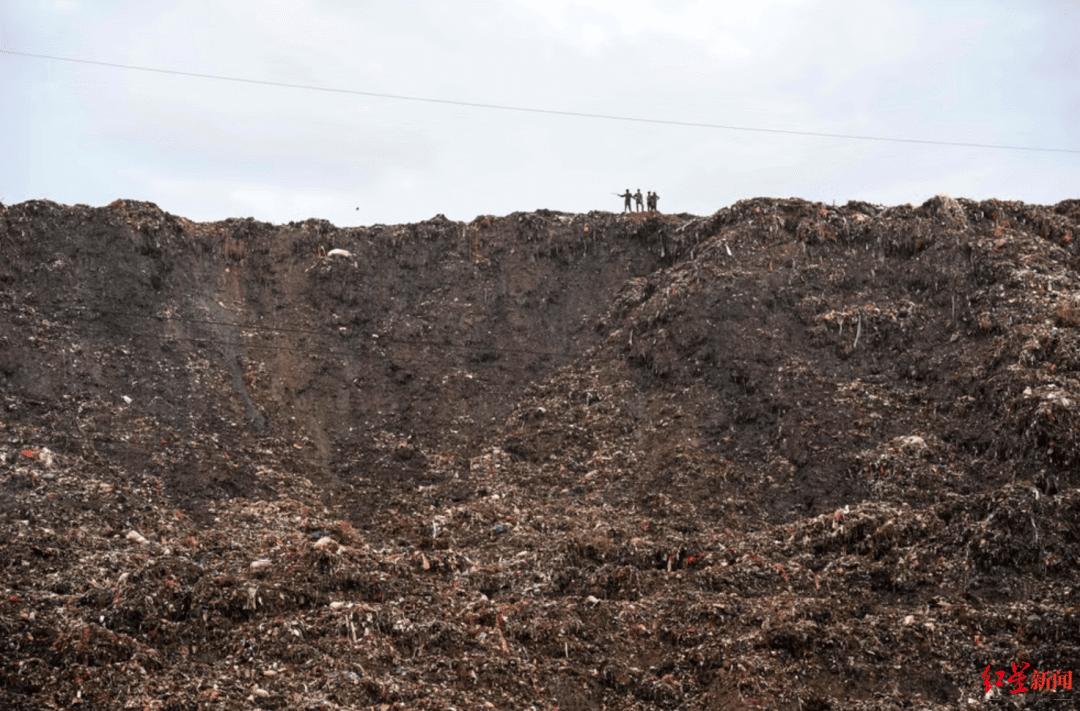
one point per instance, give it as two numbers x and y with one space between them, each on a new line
788 455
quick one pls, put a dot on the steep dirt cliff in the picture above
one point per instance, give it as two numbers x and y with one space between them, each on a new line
541 460
247 335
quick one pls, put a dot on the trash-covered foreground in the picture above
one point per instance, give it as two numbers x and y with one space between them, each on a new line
787 456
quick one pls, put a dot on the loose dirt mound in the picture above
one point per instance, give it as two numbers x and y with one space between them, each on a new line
789 456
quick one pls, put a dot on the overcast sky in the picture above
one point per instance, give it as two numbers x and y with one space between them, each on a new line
973 72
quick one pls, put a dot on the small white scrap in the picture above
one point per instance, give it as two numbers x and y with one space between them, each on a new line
326 542
45 456
136 537
339 253
257 565
912 444
126 399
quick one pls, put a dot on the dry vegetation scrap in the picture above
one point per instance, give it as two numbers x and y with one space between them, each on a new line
785 456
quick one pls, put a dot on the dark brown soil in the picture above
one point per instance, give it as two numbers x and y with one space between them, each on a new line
786 456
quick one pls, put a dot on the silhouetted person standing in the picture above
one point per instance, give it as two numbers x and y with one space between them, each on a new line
638 200
626 200
655 198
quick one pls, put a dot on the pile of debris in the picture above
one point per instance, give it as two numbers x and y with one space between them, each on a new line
541 461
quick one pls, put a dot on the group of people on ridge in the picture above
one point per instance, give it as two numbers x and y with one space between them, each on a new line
651 199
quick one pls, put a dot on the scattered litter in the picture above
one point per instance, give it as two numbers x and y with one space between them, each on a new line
878 406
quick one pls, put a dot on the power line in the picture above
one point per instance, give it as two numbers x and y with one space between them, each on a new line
554 112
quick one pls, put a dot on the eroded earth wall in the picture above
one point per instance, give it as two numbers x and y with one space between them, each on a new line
126 323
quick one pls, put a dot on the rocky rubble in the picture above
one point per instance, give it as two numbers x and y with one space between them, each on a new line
786 456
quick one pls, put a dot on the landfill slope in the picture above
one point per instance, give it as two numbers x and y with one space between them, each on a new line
789 455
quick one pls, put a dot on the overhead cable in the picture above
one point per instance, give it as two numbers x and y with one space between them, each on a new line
555 112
